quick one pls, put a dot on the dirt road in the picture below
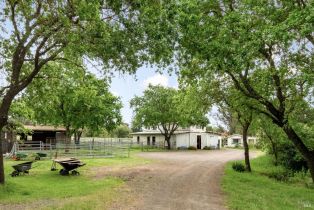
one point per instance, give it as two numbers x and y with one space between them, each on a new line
179 181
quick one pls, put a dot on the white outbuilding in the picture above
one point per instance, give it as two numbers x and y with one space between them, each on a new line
237 140
182 138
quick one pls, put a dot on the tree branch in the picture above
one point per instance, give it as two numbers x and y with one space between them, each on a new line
267 53
23 83
16 30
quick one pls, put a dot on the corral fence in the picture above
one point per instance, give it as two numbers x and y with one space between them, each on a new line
88 147
144 147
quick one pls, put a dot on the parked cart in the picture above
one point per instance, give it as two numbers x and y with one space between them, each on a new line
21 168
69 165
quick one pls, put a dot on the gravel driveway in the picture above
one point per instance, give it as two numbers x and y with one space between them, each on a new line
179 180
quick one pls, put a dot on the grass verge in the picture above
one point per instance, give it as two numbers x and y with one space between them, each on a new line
45 189
256 191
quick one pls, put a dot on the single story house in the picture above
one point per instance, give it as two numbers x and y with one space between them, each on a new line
192 136
237 140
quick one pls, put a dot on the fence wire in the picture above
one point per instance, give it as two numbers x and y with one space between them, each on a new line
89 147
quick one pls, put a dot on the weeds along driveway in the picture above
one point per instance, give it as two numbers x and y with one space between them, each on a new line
179 180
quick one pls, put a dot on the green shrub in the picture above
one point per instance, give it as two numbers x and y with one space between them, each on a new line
279 174
182 148
192 148
300 176
33 156
237 146
239 167
207 148
20 156
290 158
310 185
40 154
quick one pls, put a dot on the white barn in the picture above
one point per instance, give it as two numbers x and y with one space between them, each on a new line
237 140
192 136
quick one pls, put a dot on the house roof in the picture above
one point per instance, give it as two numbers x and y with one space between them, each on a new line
235 135
44 128
240 136
154 132
146 133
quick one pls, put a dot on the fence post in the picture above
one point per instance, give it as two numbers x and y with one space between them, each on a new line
50 148
90 149
93 147
129 150
104 147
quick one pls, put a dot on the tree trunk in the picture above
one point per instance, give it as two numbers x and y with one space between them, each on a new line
306 153
1 158
275 152
78 136
4 110
167 139
246 146
75 137
273 147
67 138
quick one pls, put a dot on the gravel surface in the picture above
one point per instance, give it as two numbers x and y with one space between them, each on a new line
177 180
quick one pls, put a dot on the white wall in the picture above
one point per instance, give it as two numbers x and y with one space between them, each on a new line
181 139
213 140
190 139
251 140
160 139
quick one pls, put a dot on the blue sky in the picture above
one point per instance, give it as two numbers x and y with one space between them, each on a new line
127 86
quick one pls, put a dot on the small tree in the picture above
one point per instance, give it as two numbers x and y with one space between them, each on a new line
166 109
122 131
73 99
231 101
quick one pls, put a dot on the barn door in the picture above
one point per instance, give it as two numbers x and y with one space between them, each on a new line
199 142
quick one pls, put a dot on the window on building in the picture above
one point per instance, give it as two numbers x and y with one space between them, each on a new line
154 140
138 140
148 140
235 141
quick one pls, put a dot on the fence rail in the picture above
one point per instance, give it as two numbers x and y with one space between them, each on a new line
86 148
94 149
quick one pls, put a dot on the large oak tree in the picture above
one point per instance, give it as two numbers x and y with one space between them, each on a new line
264 47
118 34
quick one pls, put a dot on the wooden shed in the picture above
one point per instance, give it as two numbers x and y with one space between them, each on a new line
45 133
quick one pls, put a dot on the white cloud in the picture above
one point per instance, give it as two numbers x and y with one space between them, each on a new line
157 79
115 93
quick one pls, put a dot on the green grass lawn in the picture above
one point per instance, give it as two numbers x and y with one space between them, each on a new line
42 187
256 191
